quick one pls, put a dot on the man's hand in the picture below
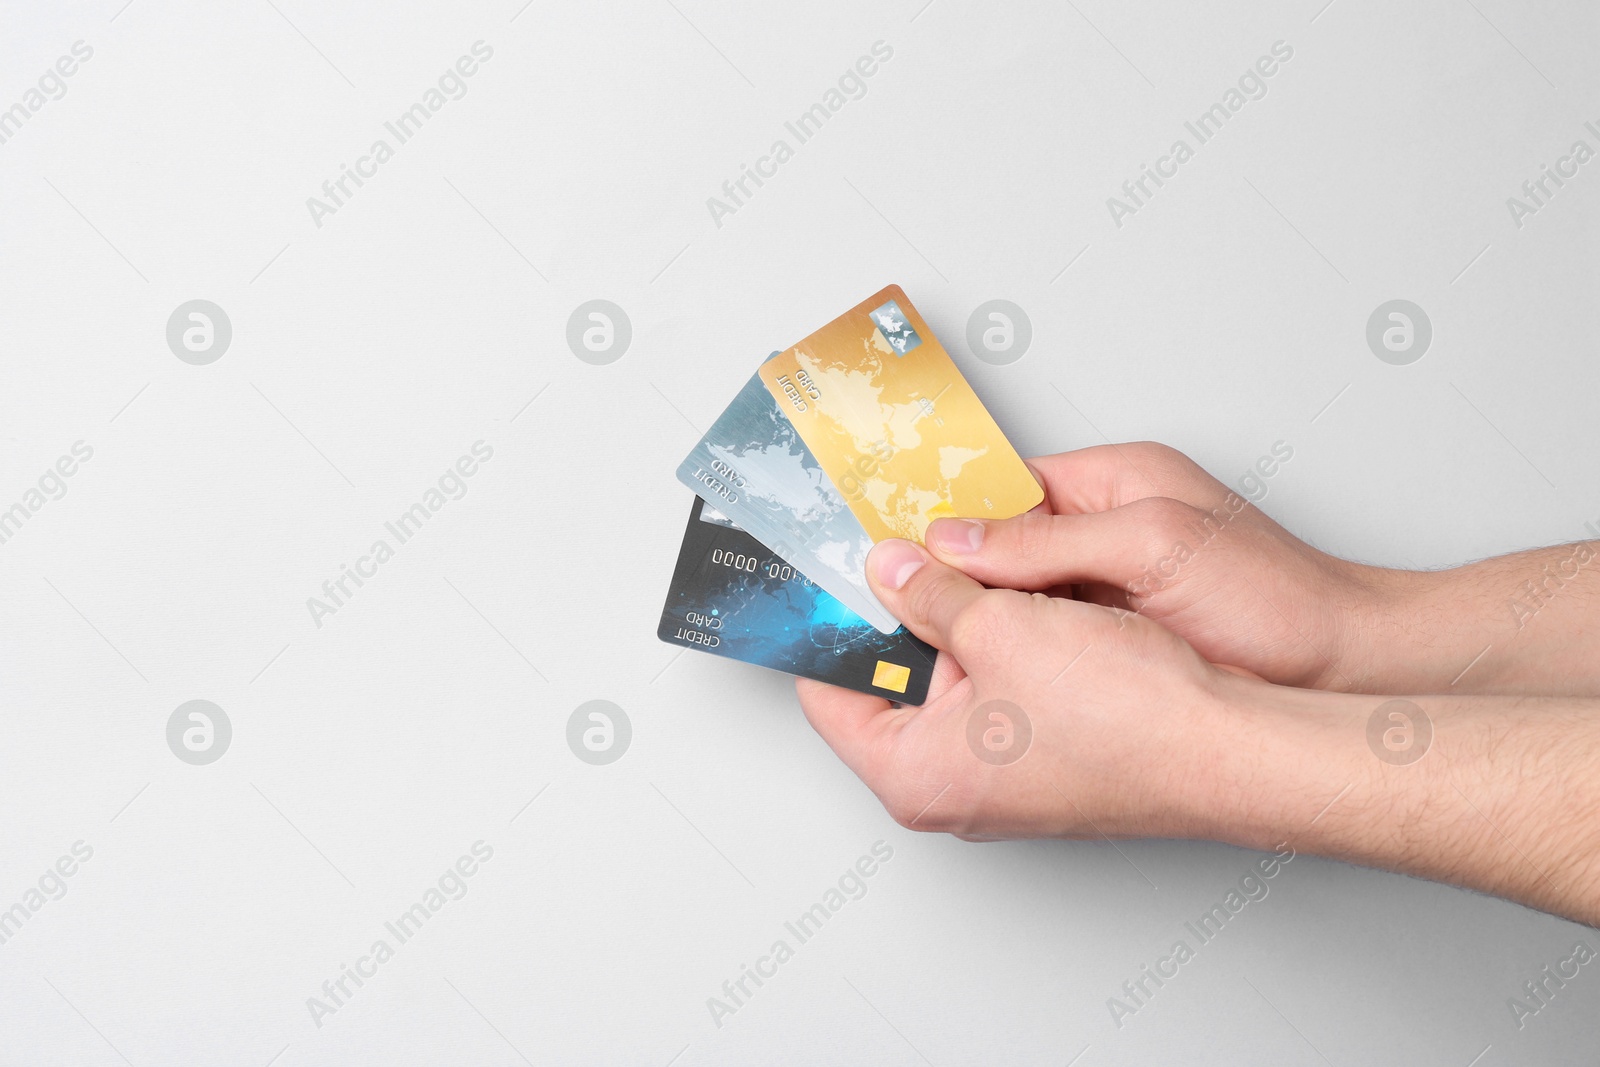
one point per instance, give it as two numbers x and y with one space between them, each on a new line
1048 717
1059 718
1051 716
1143 528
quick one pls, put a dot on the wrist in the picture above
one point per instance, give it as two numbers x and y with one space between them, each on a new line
1416 786
1391 632
1354 776
1517 624
1264 760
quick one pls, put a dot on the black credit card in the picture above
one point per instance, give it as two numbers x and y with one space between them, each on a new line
732 596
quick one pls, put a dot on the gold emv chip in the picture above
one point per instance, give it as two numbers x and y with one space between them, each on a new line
891 676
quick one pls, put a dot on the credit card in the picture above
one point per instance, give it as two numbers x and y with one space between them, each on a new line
895 426
732 596
753 467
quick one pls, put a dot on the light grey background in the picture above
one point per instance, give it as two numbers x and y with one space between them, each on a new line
426 314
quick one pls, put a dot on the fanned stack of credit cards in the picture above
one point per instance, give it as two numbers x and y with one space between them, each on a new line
863 431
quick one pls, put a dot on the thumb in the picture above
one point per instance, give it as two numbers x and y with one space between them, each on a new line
1040 551
920 591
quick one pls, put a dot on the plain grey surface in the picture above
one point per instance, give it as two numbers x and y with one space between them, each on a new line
373 346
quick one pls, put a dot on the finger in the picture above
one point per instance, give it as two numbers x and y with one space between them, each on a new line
1107 476
851 723
947 674
918 590
1043 505
1240 671
1036 551
860 726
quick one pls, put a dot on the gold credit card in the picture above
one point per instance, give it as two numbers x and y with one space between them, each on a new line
893 423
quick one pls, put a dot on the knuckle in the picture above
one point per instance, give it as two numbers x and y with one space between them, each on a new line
1033 537
1163 458
1164 516
1165 526
1145 449
984 626
1166 466
1154 452
924 595
907 810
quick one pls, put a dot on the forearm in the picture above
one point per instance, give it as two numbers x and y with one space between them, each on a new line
1505 797
1520 624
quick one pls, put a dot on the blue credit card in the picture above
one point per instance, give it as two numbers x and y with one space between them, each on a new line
733 596
753 466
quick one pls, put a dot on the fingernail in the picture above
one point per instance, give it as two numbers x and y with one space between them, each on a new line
893 562
958 537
